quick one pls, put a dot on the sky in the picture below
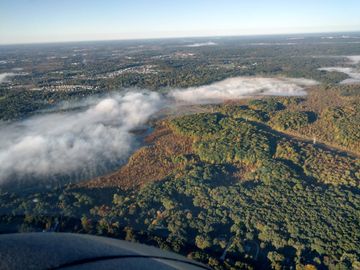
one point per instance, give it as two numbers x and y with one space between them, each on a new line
34 21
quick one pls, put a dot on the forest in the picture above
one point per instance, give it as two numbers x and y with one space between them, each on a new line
263 182
174 65
243 193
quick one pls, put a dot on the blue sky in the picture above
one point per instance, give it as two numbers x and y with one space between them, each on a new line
26 21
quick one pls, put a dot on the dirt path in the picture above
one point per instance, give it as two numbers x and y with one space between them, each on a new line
192 109
324 146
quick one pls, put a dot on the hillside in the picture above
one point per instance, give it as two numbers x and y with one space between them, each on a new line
262 183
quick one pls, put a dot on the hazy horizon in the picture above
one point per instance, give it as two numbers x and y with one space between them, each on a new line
199 37
40 21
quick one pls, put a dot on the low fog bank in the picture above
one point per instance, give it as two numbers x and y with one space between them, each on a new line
240 87
72 142
88 136
202 44
3 76
354 59
353 73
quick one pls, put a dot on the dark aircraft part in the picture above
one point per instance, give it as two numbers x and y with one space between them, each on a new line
78 251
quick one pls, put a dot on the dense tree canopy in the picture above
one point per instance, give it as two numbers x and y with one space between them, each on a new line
267 200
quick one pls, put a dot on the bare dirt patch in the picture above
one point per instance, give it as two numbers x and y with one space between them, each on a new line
150 163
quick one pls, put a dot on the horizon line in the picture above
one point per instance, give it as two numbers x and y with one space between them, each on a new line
179 37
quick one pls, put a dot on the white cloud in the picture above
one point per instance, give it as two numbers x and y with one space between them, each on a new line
84 140
353 73
203 44
3 76
354 59
351 70
74 142
240 87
